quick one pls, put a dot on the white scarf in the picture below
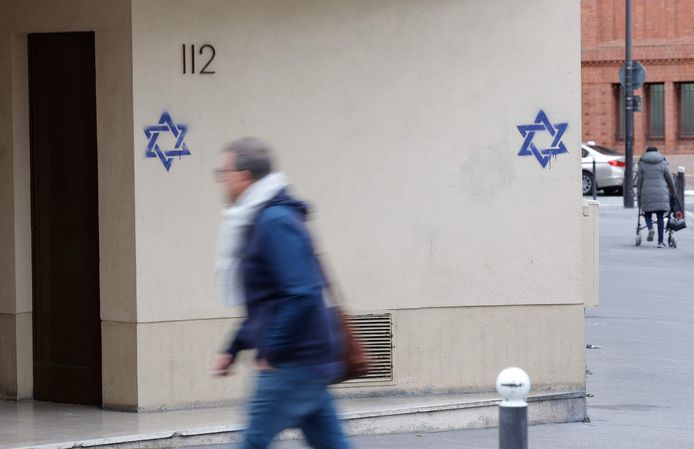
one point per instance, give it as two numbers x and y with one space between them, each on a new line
236 220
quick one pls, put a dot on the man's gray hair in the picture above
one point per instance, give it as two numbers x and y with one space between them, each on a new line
251 154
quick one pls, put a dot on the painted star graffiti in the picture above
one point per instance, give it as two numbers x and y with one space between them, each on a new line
166 124
556 131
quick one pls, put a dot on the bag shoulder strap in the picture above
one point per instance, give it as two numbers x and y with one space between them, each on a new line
334 297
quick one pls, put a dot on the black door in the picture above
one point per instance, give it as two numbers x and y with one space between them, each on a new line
65 221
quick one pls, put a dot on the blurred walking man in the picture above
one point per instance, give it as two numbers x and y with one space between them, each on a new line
266 261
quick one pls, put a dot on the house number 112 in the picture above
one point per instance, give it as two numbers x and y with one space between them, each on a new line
206 49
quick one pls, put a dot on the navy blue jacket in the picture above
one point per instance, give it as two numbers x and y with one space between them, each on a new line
288 321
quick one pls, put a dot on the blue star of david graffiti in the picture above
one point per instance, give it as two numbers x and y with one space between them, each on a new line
542 123
166 124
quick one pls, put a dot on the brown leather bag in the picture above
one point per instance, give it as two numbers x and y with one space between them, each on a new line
355 359
354 353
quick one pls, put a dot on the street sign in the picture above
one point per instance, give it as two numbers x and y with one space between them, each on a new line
639 75
637 103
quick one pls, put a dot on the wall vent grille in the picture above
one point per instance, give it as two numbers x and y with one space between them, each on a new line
375 331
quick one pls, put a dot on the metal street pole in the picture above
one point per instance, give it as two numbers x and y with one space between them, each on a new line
681 186
628 187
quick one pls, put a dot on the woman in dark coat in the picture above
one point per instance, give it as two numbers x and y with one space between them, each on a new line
655 187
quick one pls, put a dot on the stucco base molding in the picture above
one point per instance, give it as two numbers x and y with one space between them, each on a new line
364 417
16 357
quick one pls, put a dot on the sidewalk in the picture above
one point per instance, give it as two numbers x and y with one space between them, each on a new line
34 424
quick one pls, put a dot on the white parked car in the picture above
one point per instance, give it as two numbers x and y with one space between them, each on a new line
609 169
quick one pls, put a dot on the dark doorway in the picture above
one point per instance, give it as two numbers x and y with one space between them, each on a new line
65 220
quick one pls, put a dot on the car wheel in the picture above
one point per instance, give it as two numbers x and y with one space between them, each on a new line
587 183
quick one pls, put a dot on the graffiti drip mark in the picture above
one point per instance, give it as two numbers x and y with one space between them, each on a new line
166 124
556 131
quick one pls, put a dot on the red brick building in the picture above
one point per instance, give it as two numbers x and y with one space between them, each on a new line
663 41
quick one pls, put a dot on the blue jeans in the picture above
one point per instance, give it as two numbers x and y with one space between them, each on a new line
661 224
293 397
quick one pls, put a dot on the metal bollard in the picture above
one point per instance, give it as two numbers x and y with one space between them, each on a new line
595 182
513 384
680 186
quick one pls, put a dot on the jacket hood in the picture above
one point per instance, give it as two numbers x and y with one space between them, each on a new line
652 157
283 199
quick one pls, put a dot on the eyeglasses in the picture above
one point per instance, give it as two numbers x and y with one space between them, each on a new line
221 171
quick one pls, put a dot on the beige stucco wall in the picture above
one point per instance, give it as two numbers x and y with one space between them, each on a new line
436 350
397 120
112 26
16 368
8 288
591 253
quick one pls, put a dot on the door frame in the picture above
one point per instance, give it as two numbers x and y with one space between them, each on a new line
116 201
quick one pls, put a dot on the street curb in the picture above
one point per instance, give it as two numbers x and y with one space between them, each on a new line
455 415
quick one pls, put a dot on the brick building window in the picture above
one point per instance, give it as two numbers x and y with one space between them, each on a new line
686 110
656 110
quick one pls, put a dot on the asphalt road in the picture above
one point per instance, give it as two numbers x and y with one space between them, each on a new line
642 381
